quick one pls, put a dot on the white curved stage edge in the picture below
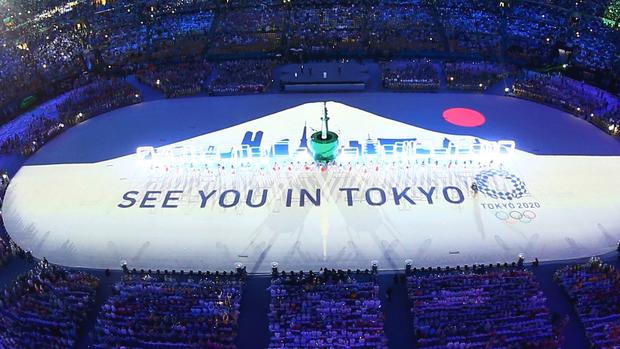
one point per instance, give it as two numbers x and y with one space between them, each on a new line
173 212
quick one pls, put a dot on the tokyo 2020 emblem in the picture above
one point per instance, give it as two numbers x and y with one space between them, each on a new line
500 184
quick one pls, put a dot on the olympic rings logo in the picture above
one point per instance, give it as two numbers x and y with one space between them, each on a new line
484 181
516 216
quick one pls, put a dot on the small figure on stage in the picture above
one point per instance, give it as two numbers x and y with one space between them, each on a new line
474 188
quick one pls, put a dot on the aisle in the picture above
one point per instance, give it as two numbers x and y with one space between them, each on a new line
398 320
253 321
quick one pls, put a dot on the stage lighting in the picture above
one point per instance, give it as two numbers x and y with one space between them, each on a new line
506 90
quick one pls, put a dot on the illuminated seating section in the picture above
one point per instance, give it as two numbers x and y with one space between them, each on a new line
474 75
576 97
480 309
165 312
410 75
594 289
96 98
45 308
329 310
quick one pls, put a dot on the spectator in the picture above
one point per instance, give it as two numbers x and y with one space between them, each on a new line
328 310
594 289
45 308
411 75
163 311
492 308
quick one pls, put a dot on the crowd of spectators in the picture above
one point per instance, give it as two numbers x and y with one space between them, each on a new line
595 48
576 97
175 80
44 42
193 311
594 290
485 308
6 247
331 309
397 26
534 31
96 98
5 251
241 76
329 29
250 29
34 129
45 307
475 75
420 74
39 130
471 27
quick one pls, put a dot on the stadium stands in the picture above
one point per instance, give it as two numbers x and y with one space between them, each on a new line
574 96
188 312
96 98
594 289
71 59
475 75
45 308
411 75
238 77
332 309
483 308
176 80
47 46
5 252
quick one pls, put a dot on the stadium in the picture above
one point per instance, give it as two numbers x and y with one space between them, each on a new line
310 174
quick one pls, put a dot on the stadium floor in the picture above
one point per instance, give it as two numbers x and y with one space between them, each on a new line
64 202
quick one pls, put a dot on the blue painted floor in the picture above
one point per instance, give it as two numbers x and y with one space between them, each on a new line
535 128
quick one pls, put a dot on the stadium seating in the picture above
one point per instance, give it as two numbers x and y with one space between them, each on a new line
5 252
64 62
576 97
45 308
594 289
176 80
332 309
475 75
46 46
238 77
483 308
166 312
411 75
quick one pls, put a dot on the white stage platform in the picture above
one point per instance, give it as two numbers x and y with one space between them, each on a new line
180 211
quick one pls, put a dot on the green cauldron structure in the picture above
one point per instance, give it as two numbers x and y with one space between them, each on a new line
325 142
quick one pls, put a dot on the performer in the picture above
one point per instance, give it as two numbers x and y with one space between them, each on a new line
474 188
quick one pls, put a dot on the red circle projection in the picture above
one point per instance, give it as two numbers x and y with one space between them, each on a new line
464 117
